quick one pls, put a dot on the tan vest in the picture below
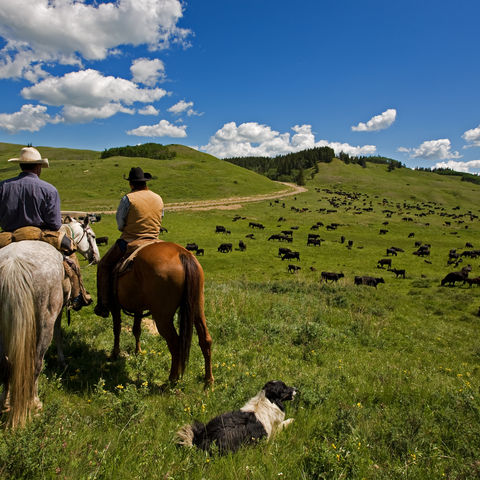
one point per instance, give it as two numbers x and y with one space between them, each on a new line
144 217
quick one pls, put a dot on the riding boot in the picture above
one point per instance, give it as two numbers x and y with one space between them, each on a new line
104 283
79 295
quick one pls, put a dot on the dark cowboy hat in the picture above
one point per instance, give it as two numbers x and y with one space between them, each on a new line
136 175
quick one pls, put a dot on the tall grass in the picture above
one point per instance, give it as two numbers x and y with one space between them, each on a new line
388 377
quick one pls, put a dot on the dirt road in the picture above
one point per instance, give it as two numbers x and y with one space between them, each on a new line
221 203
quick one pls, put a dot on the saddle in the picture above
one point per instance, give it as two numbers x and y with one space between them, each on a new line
125 264
51 237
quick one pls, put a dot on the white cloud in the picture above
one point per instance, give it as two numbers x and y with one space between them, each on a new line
162 129
440 149
74 114
404 150
183 107
260 140
460 166
473 137
148 110
378 122
90 89
67 30
30 118
147 71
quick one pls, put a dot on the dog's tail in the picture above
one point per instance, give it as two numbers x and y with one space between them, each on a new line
190 435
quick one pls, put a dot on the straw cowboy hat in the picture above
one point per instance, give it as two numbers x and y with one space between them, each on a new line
30 155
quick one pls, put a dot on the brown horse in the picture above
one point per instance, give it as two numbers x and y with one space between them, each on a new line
164 277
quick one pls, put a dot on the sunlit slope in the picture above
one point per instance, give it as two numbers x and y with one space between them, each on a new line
87 182
399 185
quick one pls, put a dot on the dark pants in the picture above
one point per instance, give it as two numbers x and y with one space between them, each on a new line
105 270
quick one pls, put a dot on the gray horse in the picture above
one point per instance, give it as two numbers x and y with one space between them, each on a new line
33 291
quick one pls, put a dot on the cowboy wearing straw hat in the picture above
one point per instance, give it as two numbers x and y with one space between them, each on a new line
139 218
28 201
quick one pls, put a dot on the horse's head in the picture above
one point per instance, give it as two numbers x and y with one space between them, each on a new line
85 240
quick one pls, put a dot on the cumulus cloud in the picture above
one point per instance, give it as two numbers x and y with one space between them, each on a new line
66 31
74 114
89 89
472 136
378 122
183 107
148 110
30 118
162 129
260 140
440 149
460 166
147 71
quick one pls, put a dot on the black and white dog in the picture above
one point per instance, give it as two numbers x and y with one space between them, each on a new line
262 416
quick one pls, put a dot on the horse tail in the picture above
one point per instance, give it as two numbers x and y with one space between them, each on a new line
189 306
18 336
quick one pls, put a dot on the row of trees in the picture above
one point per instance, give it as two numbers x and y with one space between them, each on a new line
146 150
465 177
292 167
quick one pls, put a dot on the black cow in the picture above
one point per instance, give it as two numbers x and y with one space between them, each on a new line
398 272
291 256
225 248
242 246
191 247
102 240
293 268
391 251
370 281
283 250
334 277
220 229
384 261
453 277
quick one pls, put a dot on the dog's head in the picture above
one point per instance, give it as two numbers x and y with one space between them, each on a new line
277 392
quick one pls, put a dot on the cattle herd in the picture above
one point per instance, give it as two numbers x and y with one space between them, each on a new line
352 203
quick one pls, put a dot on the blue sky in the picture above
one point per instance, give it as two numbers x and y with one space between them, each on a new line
250 77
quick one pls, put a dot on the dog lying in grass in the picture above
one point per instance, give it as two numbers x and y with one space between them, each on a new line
262 416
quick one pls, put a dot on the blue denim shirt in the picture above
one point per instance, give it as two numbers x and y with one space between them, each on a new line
27 200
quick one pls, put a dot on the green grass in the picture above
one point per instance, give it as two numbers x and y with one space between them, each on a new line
389 378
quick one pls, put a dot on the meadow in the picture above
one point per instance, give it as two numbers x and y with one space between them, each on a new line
388 378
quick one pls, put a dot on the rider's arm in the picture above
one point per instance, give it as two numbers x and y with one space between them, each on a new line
51 213
122 212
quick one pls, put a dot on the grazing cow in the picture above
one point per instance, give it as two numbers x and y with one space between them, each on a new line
293 268
453 277
391 251
102 241
342 239
423 251
291 256
242 246
316 242
384 261
220 229
411 235
200 251
163 230
283 250
350 244
467 245
334 277
287 233
398 272
251 236
191 247
225 248
256 225
370 281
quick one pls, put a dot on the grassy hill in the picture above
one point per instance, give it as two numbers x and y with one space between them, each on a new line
85 181
388 378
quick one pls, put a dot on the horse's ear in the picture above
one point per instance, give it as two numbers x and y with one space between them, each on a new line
67 219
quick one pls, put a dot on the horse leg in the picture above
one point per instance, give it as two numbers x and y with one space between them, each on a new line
57 335
117 325
167 330
205 342
137 330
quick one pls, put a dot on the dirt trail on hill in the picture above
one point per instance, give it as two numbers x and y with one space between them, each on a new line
231 203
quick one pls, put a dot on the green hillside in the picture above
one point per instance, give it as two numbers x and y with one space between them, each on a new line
87 182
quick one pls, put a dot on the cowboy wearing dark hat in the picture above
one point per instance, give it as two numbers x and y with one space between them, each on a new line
139 216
